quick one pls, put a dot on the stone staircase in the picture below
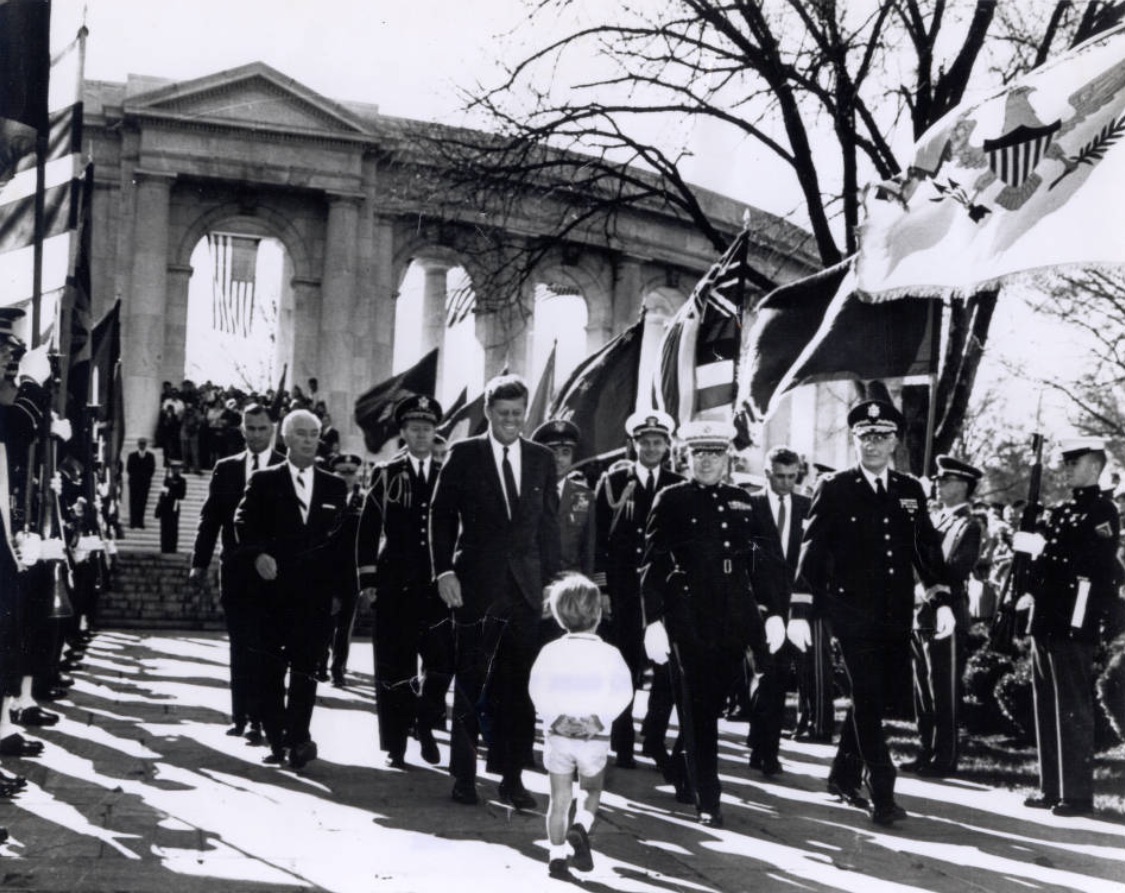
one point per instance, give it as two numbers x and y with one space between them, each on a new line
148 538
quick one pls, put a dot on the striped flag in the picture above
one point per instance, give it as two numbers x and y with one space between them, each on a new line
701 343
234 261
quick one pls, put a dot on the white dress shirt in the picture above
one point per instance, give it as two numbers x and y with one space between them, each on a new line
514 459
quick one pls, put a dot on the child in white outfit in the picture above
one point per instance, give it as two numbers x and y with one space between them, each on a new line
579 685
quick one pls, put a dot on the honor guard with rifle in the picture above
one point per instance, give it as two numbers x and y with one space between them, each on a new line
1072 582
938 664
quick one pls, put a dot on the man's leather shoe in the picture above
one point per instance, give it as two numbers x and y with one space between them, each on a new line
658 754
809 738
34 716
887 814
49 694
516 795
579 840
848 794
321 675
300 755
755 762
395 761
16 745
711 819
62 680
236 730
771 768
12 781
915 765
274 758
255 738
625 761
1073 807
465 792
1041 801
430 752
337 681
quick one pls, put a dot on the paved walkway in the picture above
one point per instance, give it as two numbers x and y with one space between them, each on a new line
139 789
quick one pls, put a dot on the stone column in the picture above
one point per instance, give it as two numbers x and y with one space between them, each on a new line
433 311
304 362
175 323
503 335
338 292
145 306
627 295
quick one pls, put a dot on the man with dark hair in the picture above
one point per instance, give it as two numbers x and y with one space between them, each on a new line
140 465
1074 580
867 536
494 546
290 527
238 590
938 664
777 520
396 582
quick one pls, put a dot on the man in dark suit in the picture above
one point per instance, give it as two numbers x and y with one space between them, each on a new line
868 534
140 465
624 499
396 582
494 546
777 521
939 663
238 589
290 528
345 466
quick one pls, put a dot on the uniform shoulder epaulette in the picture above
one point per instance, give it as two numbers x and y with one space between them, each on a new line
578 477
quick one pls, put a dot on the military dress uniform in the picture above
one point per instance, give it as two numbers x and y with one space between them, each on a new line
700 573
938 664
861 551
393 557
340 632
623 502
1073 583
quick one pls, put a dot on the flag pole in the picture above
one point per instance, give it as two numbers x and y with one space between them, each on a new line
931 409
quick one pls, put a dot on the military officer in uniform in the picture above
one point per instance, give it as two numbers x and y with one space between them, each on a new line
624 496
576 500
1073 582
700 574
939 663
868 534
395 580
346 466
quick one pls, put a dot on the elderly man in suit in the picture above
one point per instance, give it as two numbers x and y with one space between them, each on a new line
494 545
238 590
867 536
777 521
290 527
624 498
395 581
939 663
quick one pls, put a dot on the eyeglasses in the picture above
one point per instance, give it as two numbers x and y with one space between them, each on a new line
873 436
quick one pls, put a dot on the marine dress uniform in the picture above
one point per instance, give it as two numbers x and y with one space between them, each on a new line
1073 583
393 557
700 574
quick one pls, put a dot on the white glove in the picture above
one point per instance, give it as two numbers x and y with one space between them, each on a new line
53 550
656 643
775 633
29 548
56 483
799 633
60 428
35 365
1030 543
946 622
1026 602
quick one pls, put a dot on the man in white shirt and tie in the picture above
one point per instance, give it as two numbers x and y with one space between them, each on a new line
290 530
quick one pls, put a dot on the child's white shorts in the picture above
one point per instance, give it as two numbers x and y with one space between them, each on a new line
563 755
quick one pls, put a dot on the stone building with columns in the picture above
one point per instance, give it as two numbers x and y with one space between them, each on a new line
252 152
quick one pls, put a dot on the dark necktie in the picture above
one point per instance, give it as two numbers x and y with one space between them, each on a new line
253 463
650 486
509 485
880 490
302 496
781 524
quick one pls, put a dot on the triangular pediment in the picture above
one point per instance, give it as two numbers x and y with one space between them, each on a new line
253 95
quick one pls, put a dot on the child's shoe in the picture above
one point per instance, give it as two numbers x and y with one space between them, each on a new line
583 859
